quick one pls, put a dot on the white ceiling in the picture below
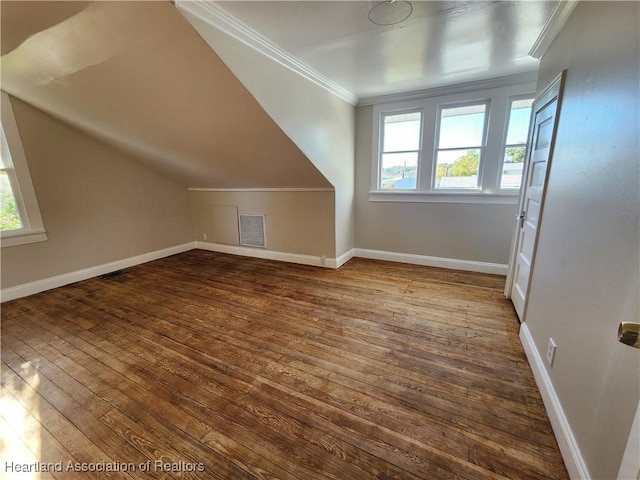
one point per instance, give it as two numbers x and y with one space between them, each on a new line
441 43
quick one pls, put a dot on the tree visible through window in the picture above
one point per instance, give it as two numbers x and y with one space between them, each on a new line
515 144
460 144
10 218
20 218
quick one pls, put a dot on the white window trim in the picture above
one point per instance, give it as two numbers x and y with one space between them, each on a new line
512 99
483 147
489 192
378 179
32 226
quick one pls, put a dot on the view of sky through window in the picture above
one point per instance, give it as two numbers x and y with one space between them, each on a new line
460 142
459 147
515 145
401 144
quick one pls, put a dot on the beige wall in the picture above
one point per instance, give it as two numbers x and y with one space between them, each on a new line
480 233
97 205
296 222
137 76
318 122
585 278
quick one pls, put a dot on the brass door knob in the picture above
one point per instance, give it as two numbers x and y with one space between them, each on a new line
629 334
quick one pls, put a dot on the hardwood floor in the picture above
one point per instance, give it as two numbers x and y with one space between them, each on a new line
227 367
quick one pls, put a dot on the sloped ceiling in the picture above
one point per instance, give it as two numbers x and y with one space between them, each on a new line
138 77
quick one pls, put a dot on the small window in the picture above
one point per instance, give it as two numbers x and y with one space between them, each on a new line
515 143
20 219
10 207
401 143
460 145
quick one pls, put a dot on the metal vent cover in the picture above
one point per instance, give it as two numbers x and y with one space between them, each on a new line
252 230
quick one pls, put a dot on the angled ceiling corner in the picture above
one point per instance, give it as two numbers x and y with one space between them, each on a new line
217 17
559 16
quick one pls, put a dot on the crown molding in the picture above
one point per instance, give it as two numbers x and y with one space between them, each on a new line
528 77
212 14
556 21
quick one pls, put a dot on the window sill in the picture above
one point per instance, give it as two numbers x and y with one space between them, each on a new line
12 239
444 197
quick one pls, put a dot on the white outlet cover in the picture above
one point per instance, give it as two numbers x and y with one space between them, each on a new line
551 352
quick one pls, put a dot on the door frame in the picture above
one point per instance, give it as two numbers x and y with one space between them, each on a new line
552 92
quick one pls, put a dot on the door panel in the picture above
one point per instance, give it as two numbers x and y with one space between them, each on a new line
539 152
533 211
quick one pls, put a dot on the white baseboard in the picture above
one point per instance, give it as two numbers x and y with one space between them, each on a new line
561 428
344 258
452 263
38 286
316 261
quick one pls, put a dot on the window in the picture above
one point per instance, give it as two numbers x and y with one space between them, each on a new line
401 139
10 208
452 144
20 220
515 143
460 146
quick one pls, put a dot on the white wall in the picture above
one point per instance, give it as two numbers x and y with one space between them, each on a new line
318 122
585 278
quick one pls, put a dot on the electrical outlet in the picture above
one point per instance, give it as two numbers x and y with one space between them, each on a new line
204 236
551 352
323 260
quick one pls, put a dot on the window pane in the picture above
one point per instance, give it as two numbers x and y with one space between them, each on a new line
399 170
462 126
518 128
402 132
512 167
9 217
458 168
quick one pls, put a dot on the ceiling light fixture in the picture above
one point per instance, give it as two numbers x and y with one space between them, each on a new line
390 12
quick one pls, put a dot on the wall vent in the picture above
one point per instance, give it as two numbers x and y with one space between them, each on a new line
252 231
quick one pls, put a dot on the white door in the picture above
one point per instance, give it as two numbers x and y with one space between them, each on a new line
539 150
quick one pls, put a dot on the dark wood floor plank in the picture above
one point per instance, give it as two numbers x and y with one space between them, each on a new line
155 408
172 370
84 409
265 370
304 337
474 359
214 399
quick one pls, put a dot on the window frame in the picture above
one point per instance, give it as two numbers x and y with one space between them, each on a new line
13 181
511 100
498 95
381 150
33 229
482 147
